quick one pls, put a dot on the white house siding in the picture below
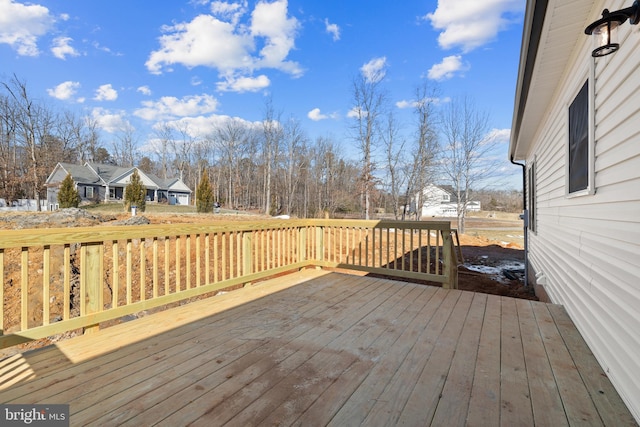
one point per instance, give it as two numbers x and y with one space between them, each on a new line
588 247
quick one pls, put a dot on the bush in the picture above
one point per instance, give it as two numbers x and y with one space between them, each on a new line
135 194
68 196
204 196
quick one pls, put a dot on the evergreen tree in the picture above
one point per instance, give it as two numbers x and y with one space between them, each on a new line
135 194
204 198
68 196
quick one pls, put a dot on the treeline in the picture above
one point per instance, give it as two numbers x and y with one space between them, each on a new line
270 166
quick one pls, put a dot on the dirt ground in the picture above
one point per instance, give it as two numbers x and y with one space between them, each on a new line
491 245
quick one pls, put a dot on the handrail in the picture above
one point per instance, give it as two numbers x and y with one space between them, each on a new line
70 278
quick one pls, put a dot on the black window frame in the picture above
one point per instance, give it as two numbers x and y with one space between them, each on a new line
579 147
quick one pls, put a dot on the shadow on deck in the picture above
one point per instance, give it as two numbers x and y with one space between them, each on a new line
325 348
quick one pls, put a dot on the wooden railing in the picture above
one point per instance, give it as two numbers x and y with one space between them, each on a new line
56 280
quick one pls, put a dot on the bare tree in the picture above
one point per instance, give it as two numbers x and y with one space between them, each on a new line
272 134
124 146
183 150
425 150
368 104
11 168
89 141
293 159
394 149
230 138
465 159
164 133
33 123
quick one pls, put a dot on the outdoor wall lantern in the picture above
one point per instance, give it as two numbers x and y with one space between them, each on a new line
604 30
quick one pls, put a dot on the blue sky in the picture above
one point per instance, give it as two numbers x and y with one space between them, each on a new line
141 63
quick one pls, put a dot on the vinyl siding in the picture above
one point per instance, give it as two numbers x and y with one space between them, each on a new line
588 247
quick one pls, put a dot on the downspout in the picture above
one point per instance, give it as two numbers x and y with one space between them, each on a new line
525 219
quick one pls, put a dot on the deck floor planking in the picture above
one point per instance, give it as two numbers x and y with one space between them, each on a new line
323 348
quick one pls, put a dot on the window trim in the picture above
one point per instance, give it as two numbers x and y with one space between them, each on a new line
590 81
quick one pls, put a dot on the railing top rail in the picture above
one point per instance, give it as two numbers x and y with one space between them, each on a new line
385 223
57 236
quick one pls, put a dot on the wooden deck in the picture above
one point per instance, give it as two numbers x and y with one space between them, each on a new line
324 348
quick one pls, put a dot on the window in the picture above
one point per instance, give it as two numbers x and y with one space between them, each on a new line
88 192
578 153
531 202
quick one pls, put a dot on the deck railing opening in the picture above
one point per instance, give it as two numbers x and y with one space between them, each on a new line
56 280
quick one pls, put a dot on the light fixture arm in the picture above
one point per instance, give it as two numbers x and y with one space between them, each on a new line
604 29
632 13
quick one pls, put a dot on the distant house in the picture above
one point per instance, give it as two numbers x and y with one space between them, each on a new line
98 182
576 127
441 201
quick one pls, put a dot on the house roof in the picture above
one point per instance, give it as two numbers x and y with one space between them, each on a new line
108 173
80 174
552 31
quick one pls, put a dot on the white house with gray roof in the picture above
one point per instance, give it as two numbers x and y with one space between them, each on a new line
104 183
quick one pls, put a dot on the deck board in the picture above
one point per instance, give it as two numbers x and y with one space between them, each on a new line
515 401
545 398
325 348
484 401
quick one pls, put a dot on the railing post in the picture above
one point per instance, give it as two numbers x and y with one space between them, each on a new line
247 254
319 243
450 263
302 243
91 276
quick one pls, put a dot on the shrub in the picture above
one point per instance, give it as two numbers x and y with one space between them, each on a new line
204 196
68 196
135 194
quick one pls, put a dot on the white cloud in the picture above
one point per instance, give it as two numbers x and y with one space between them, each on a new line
498 135
316 115
244 84
356 113
203 126
106 93
222 42
144 90
61 48
22 24
374 70
205 41
229 11
471 23
413 104
406 104
447 68
269 20
98 46
64 90
332 29
169 107
109 121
